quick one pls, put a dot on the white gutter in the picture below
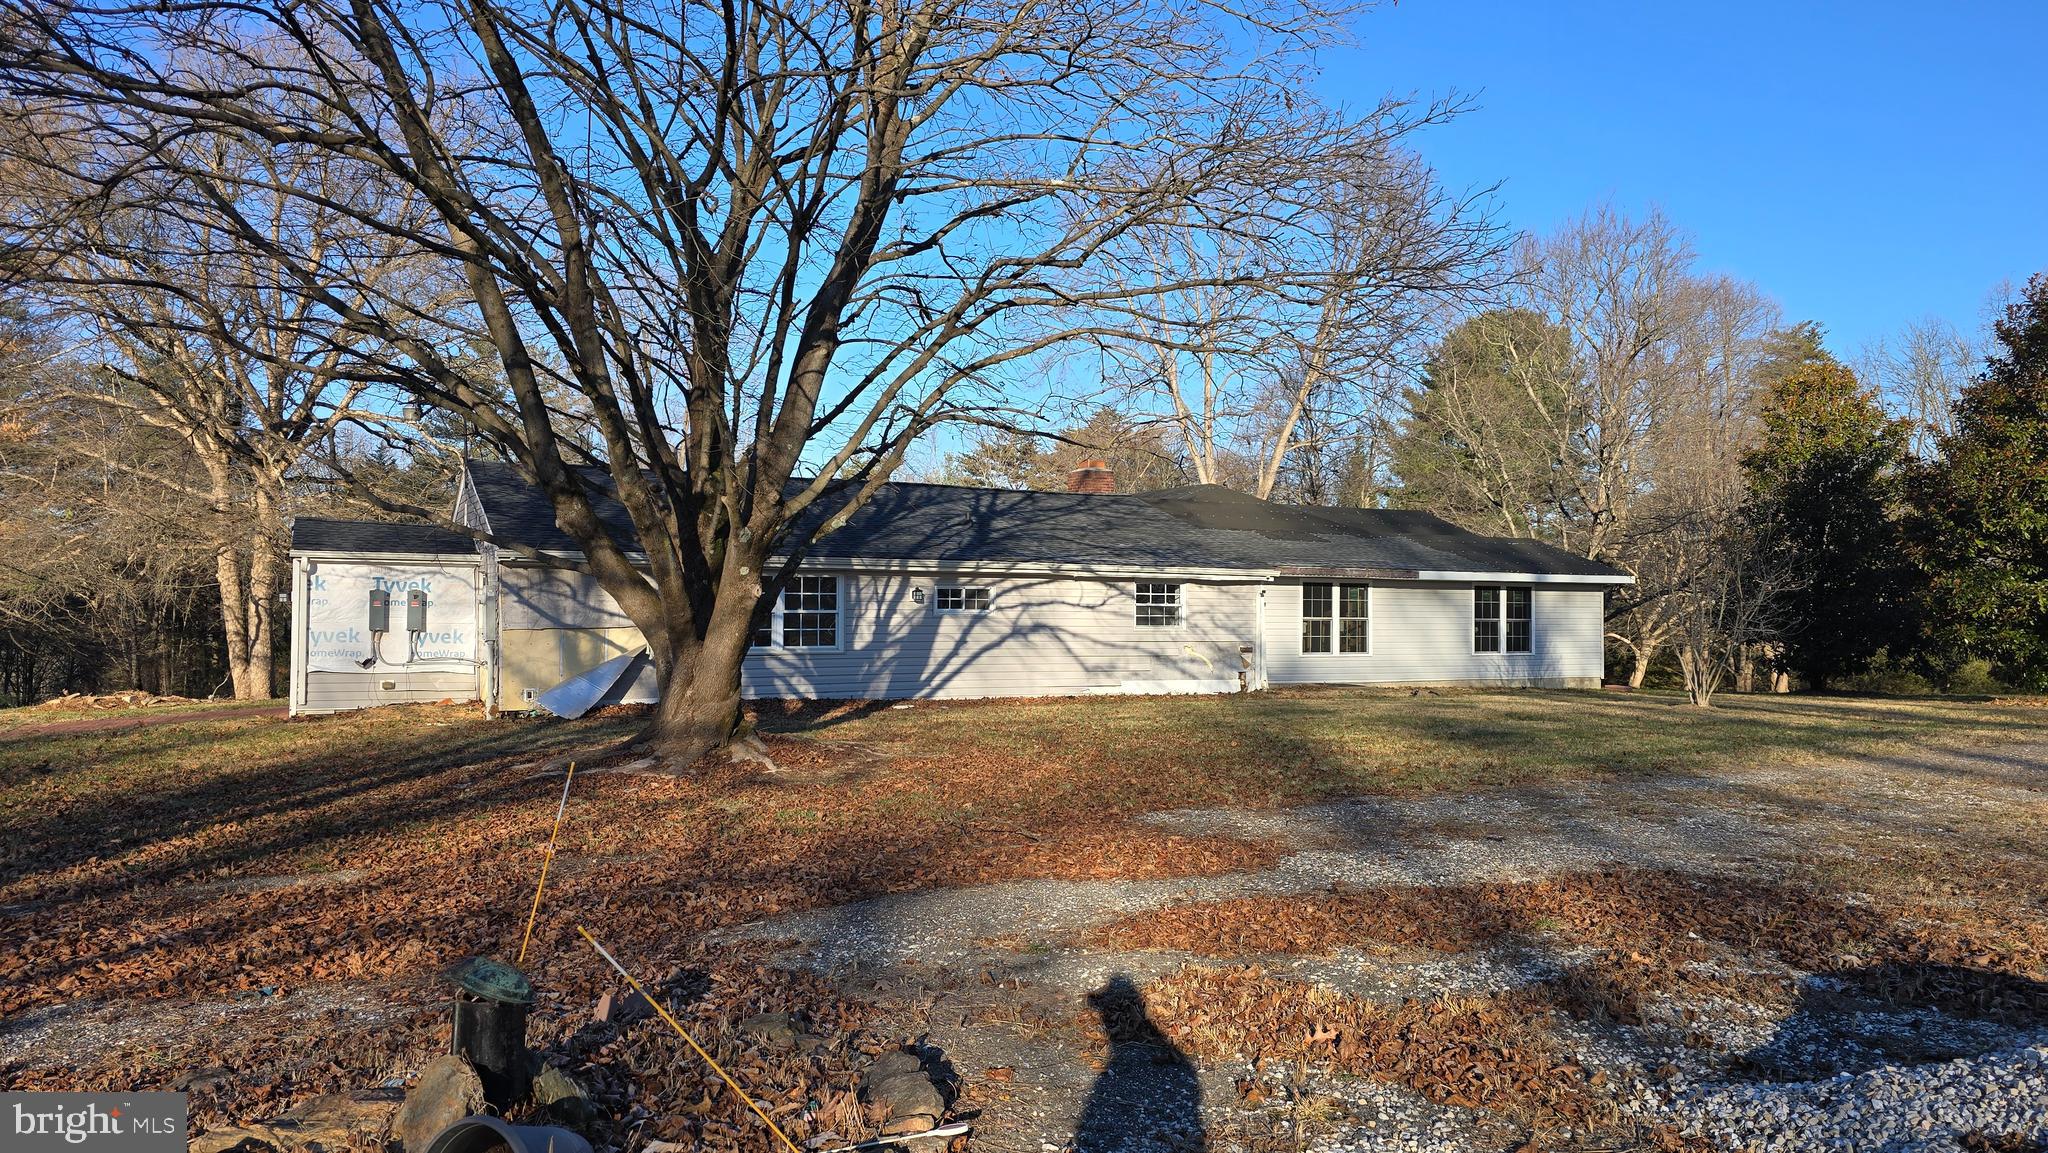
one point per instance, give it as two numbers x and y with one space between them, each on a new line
1129 572
970 568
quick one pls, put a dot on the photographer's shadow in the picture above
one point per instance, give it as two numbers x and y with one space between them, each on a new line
1148 1097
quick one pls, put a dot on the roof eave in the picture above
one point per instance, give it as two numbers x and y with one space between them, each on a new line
364 555
1529 578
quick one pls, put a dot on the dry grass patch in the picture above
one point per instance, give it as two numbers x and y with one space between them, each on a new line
1491 1053
1658 937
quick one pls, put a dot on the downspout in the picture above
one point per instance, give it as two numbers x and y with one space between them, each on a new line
1258 677
296 702
488 607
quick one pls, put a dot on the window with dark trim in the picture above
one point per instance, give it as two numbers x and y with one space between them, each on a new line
959 599
1159 605
805 617
1503 620
1317 603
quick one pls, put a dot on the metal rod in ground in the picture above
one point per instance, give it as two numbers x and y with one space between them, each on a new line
534 914
692 1041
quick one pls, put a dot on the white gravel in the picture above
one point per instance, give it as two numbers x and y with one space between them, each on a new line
1749 823
1911 1109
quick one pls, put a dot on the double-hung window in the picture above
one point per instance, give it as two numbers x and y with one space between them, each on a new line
806 616
1336 617
1159 605
962 599
1502 620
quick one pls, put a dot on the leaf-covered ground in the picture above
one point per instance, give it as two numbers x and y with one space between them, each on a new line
264 911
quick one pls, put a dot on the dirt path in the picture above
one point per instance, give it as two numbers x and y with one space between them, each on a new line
144 719
1002 974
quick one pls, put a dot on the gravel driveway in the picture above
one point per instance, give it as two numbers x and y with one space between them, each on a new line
1000 974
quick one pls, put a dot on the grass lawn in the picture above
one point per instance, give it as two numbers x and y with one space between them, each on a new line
244 860
1294 744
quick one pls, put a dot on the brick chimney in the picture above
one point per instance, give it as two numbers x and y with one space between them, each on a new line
1091 476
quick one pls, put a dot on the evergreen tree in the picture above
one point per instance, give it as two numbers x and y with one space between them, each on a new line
1137 455
1484 440
1982 523
1827 477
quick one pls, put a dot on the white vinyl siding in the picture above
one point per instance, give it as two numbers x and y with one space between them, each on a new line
333 692
1054 636
1040 636
1422 633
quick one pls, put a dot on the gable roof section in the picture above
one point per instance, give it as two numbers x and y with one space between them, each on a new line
314 534
1195 527
518 511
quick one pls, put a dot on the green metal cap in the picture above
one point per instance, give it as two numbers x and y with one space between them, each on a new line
495 981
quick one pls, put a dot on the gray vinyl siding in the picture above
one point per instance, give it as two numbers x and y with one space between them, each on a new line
1422 634
1040 637
334 692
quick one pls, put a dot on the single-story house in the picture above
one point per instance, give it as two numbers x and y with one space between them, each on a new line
934 590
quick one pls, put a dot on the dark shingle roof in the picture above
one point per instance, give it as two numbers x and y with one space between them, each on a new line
1196 527
321 534
518 511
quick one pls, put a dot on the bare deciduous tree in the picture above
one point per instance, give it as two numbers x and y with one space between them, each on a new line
1282 335
1603 410
1922 371
756 250
213 344
1733 602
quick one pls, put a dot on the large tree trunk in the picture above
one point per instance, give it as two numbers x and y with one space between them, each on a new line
1641 667
700 689
247 569
266 570
245 618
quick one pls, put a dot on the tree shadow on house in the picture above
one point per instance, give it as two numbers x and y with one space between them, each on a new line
1898 1013
1149 1096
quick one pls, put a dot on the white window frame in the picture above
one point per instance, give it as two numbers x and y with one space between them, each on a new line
1329 620
1178 601
1341 617
966 606
797 585
1336 619
1507 621
1499 598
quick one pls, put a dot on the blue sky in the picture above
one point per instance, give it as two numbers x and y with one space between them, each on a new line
1865 164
